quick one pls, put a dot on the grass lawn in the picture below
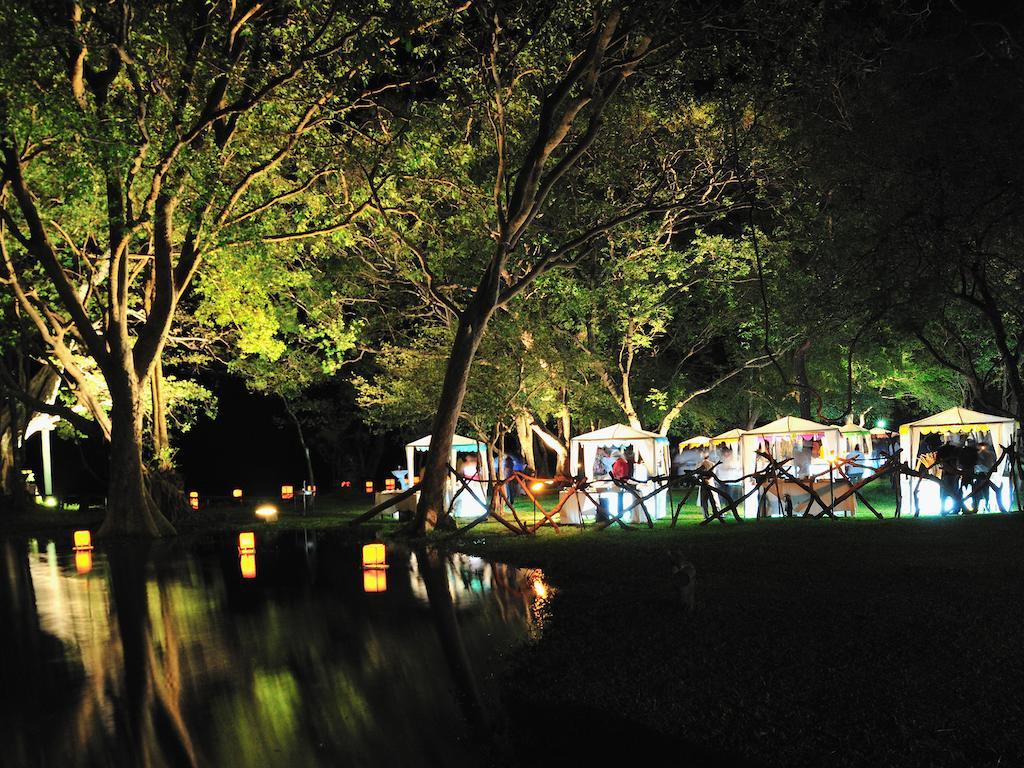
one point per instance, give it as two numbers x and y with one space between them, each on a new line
814 642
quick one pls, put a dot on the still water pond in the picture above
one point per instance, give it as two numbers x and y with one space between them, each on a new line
191 652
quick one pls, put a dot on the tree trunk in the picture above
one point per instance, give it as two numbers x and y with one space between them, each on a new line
310 478
524 431
802 380
470 333
131 510
161 442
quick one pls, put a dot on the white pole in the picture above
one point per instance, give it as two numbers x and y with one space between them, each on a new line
47 464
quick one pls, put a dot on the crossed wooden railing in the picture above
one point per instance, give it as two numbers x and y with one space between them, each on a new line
773 479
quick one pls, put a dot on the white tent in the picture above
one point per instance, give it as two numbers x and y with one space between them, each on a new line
851 435
958 424
778 438
650 447
465 504
731 437
700 441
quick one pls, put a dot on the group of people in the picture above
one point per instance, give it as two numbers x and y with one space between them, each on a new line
959 467
619 464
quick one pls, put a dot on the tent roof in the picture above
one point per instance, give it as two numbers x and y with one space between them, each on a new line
693 442
617 432
955 417
457 440
791 425
732 434
854 429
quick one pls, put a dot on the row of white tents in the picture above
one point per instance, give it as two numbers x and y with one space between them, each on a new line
778 437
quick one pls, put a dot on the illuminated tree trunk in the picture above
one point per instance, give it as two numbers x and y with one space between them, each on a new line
524 431
802 379
131 510
472 325
161 442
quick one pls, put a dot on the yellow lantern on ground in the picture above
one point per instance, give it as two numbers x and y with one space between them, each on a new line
374 556
247 541
83 540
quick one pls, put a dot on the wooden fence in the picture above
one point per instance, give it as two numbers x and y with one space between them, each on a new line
795 496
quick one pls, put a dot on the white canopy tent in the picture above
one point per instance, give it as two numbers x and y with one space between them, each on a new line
779 438
699 441
852 435
956 424
465 504
732 437
650 448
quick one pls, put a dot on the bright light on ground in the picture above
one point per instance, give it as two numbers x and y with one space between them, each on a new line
266 512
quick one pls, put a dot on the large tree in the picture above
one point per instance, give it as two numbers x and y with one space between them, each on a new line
140 141
517 167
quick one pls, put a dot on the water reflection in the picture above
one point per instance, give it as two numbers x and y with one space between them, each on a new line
184 654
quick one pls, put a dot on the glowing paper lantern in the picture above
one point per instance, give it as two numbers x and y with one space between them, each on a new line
389 484
287 492
237 493
83 561
375 580
247 565
369 486
374 556
537 487
83 540
247 541
346 483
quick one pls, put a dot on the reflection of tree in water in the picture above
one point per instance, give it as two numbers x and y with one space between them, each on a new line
170 660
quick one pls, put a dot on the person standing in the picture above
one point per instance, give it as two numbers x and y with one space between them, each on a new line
508 472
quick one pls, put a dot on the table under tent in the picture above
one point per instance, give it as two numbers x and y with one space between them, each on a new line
958 427
468 457
652 460
809 446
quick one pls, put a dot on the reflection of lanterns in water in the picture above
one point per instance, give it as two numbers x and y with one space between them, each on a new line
246 542
375 580
287 492
247 564
267 513
374 556
83 540
83 560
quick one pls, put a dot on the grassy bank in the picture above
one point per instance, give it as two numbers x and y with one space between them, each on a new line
858 643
